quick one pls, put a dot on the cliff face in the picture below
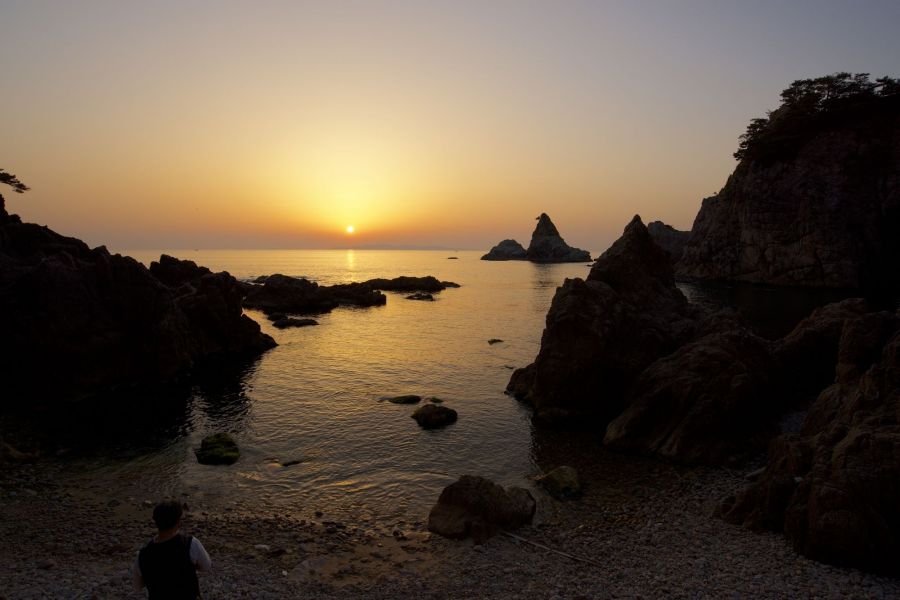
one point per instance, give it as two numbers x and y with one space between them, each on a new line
824 213
78 321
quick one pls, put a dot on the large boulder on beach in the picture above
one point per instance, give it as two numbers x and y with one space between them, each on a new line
711 402
833 488
477 507
506 250
602 332
547 246
102 321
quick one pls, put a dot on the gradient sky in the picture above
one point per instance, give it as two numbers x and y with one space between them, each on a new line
277 124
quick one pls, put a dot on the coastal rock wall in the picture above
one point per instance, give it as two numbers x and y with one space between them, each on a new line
833 489
603 331
78 321
827 214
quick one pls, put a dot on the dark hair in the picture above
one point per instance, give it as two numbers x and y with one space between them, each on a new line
166 514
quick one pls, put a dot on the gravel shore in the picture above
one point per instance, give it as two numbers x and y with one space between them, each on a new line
641 530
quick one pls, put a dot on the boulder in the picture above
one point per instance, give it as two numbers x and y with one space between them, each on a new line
602 332
218 449
561 483
709 402
105 321
433 416
506 250
669 239
478 508
832 489
547 246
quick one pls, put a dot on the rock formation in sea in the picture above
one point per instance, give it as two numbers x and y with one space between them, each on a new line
278 294
546 246
506 250
832 488
78 321
815 199
669 239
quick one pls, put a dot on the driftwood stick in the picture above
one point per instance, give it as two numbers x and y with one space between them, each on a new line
548 549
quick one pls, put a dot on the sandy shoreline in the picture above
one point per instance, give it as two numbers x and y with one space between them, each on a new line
646 528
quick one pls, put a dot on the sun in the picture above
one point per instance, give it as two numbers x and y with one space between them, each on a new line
350 228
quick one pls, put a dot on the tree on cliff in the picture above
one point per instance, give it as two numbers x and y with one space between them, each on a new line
12 181
809 105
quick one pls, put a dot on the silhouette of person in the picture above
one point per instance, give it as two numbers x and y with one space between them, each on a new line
168 564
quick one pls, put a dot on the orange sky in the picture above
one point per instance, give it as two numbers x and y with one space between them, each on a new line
271 125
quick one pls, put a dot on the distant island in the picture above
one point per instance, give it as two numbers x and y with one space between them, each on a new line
546 246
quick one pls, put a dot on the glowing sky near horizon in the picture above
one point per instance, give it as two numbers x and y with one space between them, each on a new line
277 124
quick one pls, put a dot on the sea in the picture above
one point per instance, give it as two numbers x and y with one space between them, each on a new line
309 416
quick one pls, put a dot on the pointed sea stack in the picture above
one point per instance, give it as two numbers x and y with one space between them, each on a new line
546 246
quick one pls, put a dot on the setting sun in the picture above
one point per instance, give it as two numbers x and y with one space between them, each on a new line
350 228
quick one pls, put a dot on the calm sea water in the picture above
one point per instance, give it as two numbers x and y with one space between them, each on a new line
316 398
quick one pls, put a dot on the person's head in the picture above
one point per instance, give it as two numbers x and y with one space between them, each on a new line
167 514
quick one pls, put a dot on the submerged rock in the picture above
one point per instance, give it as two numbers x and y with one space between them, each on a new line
421 296
432 416
218 449
477 507
285 322
562 483
506 250
408 399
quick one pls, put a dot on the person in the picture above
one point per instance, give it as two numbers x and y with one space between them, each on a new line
168 564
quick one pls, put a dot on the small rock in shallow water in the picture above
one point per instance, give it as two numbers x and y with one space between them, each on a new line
493 341
420 296
218 449
432 416
408 399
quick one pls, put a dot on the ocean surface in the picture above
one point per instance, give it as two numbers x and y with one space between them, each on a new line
317 398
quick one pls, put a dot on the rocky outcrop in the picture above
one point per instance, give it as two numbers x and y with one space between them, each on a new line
833 488
282 294
506 250
602 332
477 507
820 209
546 246
708 402
98 321
669 239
